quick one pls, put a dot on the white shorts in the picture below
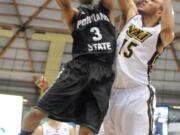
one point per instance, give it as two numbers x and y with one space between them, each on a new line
131 112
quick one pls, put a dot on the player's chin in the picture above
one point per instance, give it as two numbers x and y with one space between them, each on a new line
140 7
140 10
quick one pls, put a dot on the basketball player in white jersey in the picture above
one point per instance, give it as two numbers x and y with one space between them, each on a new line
53 127
147 31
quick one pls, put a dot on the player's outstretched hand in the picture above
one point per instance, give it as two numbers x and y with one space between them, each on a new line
42 83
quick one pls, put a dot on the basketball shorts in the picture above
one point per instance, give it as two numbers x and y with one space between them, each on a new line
131 112
80 94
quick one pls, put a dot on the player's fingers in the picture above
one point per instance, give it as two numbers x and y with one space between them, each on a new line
42 77
45 81
37 81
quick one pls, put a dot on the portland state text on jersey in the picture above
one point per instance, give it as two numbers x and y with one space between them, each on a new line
92 18
98 46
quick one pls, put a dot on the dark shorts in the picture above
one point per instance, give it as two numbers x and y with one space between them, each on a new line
80 94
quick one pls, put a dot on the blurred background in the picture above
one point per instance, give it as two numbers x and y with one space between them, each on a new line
34 41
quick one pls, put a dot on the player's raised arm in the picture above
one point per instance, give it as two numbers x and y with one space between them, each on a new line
127 8
109 4
67 12
167 24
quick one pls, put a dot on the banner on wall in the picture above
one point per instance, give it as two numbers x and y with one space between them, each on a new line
10 114
161 121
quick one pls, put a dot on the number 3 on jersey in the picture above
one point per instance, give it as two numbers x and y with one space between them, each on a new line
97 33
127 48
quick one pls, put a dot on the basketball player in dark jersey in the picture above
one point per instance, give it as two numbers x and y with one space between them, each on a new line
82 89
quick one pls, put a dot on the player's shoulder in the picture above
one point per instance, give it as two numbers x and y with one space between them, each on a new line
136 17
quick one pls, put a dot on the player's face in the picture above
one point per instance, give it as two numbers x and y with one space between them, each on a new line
86 1
150 7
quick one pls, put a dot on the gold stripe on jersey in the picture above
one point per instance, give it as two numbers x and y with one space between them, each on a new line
151 111
151 63
137 33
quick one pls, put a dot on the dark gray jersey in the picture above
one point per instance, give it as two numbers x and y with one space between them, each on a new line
94 34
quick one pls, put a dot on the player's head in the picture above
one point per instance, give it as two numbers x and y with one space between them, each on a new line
86 1
151 7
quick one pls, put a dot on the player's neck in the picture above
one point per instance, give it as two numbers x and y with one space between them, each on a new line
150 21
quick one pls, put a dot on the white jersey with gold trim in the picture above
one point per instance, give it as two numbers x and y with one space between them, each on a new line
136 52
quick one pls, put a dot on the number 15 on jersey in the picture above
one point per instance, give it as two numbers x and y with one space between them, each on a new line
127 48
